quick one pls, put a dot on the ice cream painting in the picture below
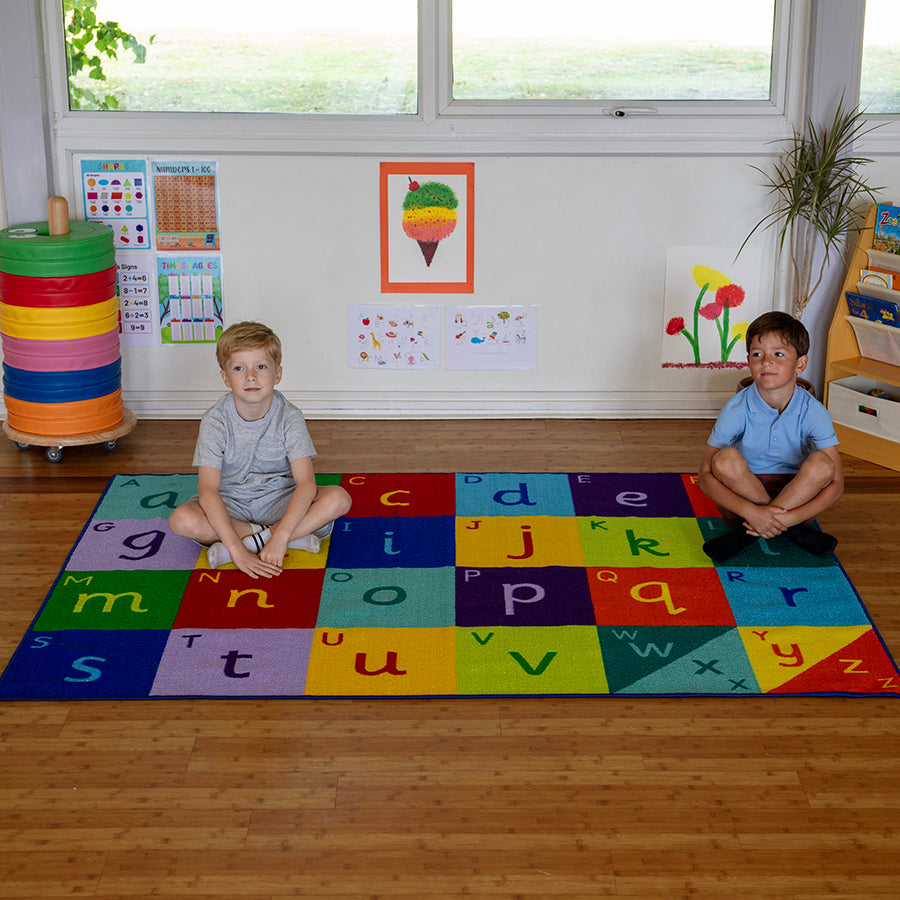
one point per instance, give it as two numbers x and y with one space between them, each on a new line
429 215
427 227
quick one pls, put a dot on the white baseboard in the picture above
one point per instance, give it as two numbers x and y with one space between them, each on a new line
609 405
599 405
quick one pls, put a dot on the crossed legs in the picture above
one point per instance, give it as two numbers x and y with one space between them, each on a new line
779 498
331 502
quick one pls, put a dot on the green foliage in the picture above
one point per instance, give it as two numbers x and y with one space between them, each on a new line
88 41
819 194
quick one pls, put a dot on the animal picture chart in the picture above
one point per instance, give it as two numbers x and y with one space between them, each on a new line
190 299
114 192
394 337
490 337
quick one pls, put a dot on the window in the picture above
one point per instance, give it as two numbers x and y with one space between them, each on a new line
425 76
880 75
288 56
360 56
642 50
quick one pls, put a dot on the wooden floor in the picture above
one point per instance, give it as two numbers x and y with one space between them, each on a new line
576 798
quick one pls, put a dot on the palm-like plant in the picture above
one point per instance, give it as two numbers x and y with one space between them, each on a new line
817 189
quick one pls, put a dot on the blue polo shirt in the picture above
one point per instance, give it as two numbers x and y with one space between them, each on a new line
773 443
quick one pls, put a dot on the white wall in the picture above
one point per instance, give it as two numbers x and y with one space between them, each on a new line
584 239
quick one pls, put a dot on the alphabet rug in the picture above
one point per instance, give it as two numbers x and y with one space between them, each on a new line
437 585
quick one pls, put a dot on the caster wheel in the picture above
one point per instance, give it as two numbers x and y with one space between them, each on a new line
54 454
109 446
22 445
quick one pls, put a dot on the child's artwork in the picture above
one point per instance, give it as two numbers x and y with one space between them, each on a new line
490 337
711 298
136 286
427 227
190 299
114 192
186 209
393 337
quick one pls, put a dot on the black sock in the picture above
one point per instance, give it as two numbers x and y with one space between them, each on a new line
722 548
816 542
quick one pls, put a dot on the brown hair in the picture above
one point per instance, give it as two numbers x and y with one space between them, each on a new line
793 331
247 336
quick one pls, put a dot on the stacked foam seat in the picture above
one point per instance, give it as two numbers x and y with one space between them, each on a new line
60 329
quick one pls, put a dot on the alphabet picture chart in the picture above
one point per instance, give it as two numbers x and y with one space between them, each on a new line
190 299
186 205
490 337
394 337
114 192
137 300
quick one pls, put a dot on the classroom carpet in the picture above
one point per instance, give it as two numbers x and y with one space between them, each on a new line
451 585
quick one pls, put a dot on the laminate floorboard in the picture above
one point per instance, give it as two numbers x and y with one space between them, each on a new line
796 798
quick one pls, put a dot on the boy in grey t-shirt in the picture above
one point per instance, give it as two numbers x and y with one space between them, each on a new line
257 488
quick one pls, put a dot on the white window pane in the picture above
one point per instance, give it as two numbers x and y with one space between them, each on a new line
607 49
295 56
880 78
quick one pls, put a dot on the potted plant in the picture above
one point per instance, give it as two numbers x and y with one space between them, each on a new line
818 190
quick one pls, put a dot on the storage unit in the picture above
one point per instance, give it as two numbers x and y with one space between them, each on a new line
859 436
851 404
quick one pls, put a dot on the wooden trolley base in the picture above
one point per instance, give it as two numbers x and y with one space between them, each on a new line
55 445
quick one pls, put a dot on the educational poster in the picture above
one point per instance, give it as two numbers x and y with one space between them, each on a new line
710 299
190 299
136 286
114 192
427 227
186 205
490 337
393 337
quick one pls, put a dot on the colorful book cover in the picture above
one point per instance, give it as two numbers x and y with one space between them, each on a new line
873 309
879 278
887 228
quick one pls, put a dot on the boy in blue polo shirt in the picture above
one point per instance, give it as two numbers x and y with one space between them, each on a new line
772 464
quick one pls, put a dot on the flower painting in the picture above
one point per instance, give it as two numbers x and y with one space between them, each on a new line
710 301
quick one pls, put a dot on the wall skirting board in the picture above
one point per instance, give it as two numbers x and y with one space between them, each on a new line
372 405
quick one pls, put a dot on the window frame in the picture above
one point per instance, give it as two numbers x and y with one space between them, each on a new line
443 125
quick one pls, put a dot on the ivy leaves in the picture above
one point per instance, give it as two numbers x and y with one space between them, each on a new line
88 41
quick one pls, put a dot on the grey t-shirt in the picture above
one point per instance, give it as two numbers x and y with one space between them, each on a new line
254 457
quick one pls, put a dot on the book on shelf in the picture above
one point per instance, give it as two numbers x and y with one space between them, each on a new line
887 228
873 309
880 278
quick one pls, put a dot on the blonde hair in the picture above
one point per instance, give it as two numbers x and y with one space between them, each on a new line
247 336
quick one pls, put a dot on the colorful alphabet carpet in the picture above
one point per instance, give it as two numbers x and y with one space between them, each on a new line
439 585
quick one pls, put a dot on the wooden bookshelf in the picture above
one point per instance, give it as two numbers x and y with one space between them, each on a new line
843 360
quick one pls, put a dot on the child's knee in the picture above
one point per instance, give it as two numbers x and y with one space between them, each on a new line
819 465
343 500
183 519
178 519
727 463
338 501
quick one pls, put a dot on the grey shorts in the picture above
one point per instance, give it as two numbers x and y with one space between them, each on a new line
262 510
